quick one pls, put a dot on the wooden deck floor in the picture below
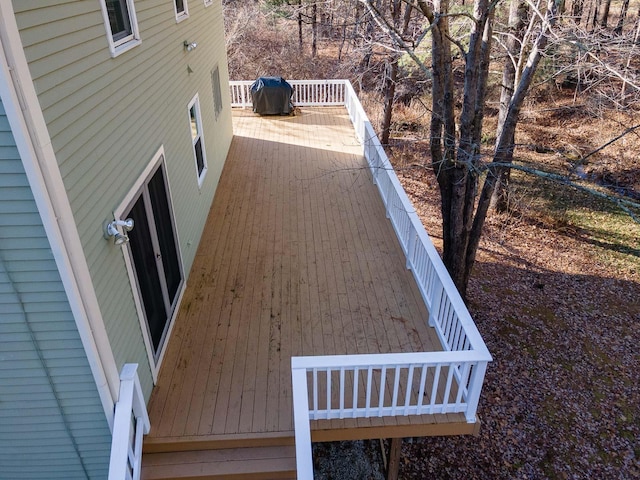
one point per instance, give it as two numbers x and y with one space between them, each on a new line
297 258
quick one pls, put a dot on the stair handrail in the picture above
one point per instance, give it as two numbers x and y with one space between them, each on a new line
131 422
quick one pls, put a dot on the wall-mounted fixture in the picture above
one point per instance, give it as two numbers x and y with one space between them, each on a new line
111 230
188 46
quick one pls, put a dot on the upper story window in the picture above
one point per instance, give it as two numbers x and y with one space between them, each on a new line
208 2
195 123
182 10
122 26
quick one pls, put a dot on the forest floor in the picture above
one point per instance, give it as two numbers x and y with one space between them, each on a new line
555 291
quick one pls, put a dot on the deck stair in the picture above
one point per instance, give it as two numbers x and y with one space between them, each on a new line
274 462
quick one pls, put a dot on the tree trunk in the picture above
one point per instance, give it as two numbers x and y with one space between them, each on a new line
592 18
389 90
343 36
636 38
604 16
577 7
300 44
455 165
480 68
367 40
314 30
517 18
623 16
391 71
504 144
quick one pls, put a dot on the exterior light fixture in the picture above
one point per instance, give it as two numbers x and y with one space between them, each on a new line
111 230
188 46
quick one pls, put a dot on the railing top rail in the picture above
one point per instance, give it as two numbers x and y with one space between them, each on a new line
297 82
378 360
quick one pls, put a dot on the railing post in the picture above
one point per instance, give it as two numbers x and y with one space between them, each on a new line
130 401
304 458
118 464
474 389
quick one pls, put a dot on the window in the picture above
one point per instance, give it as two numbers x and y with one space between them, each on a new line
182 11
217 92
195 123
208 2
122 26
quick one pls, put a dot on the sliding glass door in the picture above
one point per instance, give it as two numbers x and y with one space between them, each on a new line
154 253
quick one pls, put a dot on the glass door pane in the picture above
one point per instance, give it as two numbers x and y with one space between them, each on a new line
166 236
149 285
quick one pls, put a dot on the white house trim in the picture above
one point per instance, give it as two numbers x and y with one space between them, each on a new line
34 145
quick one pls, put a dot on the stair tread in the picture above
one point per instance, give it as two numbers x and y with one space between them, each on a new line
215 442
256 462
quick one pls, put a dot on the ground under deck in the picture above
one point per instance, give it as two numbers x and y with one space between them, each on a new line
297 258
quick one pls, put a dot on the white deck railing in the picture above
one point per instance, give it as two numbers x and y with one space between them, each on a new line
306 93
383 385
394 384
130 423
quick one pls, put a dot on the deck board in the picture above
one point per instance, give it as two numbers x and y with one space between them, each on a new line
297 258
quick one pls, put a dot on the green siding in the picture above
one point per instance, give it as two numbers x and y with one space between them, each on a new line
48 397
107 117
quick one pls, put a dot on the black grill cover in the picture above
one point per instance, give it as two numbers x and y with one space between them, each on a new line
271 96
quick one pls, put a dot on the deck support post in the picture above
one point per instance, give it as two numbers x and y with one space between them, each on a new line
393 468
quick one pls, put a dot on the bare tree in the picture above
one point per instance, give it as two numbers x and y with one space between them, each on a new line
577 7
300 22
400 22
455 145
514 46
505 144
604 16
621 19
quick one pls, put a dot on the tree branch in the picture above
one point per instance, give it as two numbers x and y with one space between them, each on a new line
623 204
390 30
602 147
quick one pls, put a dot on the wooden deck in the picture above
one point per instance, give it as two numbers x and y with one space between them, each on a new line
297 258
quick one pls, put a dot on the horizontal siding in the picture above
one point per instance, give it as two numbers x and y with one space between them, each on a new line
38 391
108 116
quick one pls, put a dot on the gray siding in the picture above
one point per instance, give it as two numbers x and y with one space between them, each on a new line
48 397
108 116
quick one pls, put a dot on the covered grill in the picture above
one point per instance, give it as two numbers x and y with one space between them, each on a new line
271 96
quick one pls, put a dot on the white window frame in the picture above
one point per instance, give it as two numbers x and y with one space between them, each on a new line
195 103
208 3
182 15
117 47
